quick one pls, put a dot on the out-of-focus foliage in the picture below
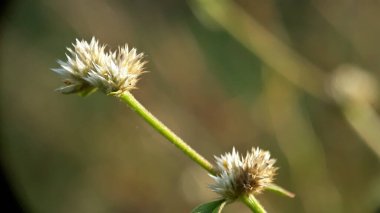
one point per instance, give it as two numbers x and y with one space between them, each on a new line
73 154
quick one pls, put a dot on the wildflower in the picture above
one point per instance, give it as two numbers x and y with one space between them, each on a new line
119 73
80 60
89 67
238 175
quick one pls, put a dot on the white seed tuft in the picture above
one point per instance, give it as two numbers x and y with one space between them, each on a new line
238 175
89 67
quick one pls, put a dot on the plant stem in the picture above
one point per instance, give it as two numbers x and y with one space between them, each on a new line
128 98
252 203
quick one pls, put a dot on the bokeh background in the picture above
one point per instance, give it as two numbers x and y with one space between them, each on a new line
222 74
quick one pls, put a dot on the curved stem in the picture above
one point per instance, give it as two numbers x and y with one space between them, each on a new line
253 204
129 99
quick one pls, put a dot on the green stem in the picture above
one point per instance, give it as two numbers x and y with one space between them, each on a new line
253 204
128 98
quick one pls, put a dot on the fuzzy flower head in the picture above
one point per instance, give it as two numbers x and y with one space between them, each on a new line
238 175
89 67
120 71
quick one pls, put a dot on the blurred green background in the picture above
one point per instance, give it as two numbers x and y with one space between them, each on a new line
216 85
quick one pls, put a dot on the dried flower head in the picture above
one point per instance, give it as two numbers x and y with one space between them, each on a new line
80 60
89 67
120 71
238 175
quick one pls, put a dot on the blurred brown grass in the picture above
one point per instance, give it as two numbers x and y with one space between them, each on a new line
72 154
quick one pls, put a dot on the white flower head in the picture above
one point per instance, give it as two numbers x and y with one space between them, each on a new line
89 67
120 71
80 60
238 175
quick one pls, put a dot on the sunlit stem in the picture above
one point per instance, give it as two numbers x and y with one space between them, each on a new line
253 204
128 98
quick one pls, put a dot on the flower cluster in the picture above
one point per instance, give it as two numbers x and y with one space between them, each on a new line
238 175
90 67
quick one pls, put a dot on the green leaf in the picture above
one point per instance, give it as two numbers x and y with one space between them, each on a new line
279 190
215 206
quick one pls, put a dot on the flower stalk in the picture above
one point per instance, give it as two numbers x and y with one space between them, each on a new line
129 99
252 203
